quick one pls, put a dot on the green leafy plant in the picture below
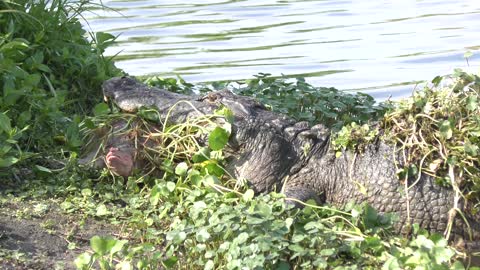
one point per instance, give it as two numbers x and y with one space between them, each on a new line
293 97
49 70
437 133
305 102
353 137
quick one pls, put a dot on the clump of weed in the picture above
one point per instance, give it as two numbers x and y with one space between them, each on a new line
437 133
354 137
165 150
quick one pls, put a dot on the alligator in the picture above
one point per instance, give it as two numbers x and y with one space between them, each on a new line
274 152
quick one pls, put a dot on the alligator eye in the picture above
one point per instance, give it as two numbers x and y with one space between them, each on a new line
211 97
129 81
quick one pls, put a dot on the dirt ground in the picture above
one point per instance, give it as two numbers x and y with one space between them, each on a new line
42 242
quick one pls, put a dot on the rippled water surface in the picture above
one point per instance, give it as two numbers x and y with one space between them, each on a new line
381 47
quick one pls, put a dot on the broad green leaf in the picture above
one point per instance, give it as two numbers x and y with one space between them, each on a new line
167 166
102 245
43 169
117 246
472 103
470 149
86 192
5 123
102 37
5 149
195 177
459 266
170 262
202 236
436 81
218 138
17 44
67 206
227 113
102 210
101 109
391 264
155 195
149 114
181 169
283 266
248 195
176 237
446 129
202 155
210 265
89 123
82 261
24 118
199 206
241 238
8 161
371 216
288 222
211 180
44 68
171 186
213 168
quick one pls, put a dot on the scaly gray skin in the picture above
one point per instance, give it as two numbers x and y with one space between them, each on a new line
271 150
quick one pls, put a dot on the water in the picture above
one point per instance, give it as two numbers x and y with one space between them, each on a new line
383 48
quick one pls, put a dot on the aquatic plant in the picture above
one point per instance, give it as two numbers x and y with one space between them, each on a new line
293 97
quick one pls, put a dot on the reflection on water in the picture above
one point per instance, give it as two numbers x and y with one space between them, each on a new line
382 47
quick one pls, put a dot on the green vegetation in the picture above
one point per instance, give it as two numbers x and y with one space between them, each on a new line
435 132
438 130
49 73
189 214
295 98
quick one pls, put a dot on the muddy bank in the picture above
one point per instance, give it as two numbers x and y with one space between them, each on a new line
50 241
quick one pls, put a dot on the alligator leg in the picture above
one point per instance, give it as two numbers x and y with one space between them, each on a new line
302 194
